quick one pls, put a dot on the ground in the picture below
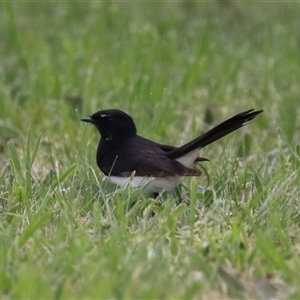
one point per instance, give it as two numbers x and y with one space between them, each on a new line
178 68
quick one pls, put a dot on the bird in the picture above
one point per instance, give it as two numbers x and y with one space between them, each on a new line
127 158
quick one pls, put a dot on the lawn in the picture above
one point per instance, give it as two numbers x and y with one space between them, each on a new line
178 68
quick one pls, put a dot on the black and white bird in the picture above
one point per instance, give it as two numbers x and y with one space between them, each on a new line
160 167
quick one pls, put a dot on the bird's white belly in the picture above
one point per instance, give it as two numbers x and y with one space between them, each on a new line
156 184
152 185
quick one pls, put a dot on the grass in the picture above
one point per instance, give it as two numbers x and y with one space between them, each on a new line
178 68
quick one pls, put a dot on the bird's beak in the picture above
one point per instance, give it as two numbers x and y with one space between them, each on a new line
88 120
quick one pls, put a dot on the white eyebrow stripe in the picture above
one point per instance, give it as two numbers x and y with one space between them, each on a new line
104 116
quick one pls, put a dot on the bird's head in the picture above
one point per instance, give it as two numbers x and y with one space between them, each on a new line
112 123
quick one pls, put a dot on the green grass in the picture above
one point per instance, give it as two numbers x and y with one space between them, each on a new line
178 68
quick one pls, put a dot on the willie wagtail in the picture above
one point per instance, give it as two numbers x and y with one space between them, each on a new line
121 151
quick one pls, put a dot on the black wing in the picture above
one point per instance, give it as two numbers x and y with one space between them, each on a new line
145 163
146 158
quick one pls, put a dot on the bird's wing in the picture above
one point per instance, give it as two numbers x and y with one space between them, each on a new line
149 163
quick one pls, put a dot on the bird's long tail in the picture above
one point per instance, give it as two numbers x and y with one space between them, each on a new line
215 133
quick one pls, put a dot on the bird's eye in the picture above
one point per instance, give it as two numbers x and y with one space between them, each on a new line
109 119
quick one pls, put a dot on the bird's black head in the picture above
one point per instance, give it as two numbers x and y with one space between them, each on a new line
112 123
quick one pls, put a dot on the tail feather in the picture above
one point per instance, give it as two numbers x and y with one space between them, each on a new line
215 133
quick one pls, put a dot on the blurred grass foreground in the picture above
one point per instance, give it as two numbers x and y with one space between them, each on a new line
178 68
